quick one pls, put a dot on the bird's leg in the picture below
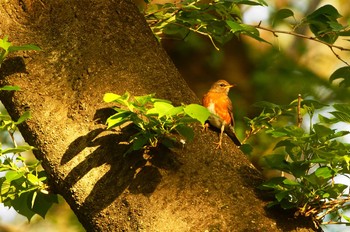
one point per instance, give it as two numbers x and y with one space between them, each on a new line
205 127
221 133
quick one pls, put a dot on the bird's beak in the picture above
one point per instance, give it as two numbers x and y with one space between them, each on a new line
231 86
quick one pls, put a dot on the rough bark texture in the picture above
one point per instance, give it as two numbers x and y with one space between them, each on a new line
91 47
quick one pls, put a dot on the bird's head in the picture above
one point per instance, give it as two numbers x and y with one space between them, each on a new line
221 86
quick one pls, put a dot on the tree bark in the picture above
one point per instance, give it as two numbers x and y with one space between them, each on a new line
91 47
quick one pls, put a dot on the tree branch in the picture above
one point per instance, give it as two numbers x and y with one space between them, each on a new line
331 46
275 32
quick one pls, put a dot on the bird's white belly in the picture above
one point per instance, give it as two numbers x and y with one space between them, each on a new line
211 108
213 119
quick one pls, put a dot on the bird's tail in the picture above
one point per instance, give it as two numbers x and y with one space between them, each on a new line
231 133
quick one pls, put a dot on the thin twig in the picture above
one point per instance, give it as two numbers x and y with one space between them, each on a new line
206 34
254 132
338 57
299 118
275 32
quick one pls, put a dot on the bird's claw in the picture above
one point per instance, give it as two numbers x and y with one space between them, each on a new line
218 145
205 127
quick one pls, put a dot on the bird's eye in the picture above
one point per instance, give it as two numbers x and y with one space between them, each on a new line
222 85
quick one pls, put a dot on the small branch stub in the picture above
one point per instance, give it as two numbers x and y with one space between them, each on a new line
299 118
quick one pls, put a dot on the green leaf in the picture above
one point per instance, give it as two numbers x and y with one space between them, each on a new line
345 217
276 161
324 172
341 73
335 190
10 88
277 134
282 195
185 131
110 97
280 15
22 205
327 10
26 115
247 2
290 182
27 47
197 112
284 143
154 100
244 29
299 168
324 119
43 203
160 108
4 44
288 131
313 104
323 23
234 26
118 119
342 107
139 142
274 183
5 187
173 29
322 131
342 116
246 148
18 149
175 111
143 100
33 179
13 175
346 32
314 180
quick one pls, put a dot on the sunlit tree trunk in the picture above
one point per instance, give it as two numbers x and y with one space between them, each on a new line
91 47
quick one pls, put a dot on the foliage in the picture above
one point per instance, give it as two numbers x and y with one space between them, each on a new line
221 20
313 156
6 48
157 121
22 186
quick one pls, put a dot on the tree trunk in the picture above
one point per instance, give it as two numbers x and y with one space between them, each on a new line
91 47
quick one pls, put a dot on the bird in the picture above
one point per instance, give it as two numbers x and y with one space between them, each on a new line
218 103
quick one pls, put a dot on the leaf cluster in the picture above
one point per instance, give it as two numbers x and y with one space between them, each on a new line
22 186
323 23
326 28
219 20
312 157
157 121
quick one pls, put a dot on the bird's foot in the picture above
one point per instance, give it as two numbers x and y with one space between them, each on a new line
218 145
205 127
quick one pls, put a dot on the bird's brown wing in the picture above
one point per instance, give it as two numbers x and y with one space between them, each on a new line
232 119
229 107
205 100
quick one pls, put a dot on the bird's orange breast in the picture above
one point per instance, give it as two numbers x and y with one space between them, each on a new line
218 104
